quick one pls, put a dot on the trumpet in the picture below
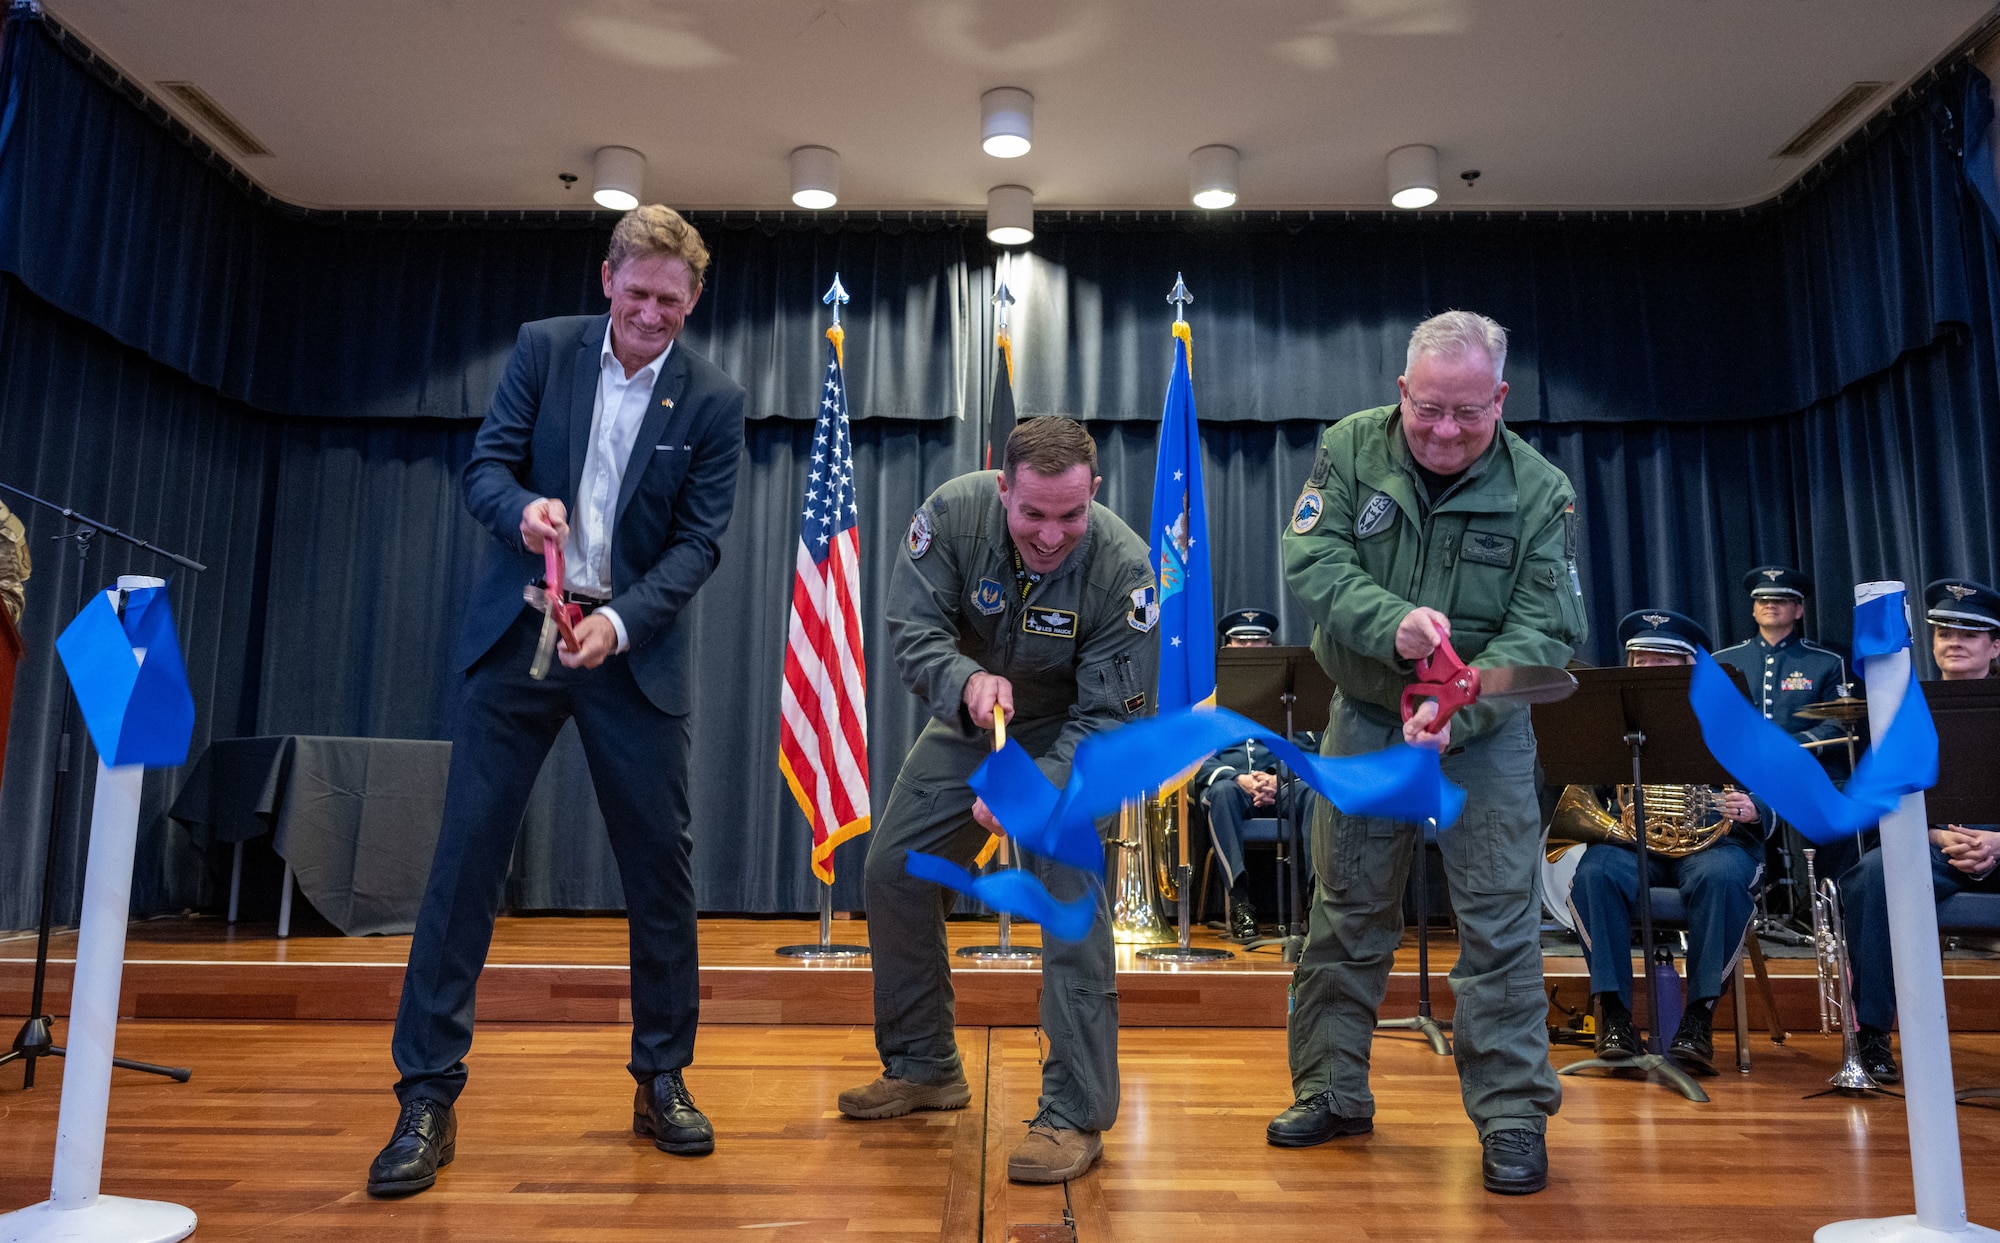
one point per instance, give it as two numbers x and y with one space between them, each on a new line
1836 998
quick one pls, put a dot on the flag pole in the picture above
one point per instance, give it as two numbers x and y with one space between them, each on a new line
824 948
1185 950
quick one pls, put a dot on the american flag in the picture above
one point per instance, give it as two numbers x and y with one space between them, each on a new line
824 749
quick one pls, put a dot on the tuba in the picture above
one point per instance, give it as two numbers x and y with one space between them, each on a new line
1680 820
1140 853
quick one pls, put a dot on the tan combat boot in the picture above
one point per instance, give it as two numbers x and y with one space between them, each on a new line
892 1098
1053 1154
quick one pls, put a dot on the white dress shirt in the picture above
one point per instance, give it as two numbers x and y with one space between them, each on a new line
614 424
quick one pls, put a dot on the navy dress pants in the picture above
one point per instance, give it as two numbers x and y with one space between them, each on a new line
638 757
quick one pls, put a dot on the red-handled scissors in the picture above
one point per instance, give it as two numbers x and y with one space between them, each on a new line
1443 677
559 616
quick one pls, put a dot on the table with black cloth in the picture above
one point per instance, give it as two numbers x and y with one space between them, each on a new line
354 819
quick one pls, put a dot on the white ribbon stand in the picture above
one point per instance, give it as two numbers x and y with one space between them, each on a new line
75 1210
1935 1166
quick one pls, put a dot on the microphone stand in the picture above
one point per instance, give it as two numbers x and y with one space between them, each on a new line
36 1038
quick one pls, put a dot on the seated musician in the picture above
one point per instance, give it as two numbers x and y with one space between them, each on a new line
1717 883
1241 783
1965 639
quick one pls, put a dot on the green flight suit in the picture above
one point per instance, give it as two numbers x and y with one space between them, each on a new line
1081 653
1496 554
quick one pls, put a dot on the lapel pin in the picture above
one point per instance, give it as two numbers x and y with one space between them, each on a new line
668 402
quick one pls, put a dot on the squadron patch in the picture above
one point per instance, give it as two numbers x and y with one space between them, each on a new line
1055 623
1307 513
920 534
1145 611
989 597
1376 516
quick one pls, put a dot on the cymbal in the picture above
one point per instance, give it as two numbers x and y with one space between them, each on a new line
1846 708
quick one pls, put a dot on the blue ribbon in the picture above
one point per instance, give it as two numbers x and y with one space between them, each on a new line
1400 782
1020 894
136 713
1770 763
1881 626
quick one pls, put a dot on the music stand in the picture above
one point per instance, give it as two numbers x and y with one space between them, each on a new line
1967 715
1619 723
1268 685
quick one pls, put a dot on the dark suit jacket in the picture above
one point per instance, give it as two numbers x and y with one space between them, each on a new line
673 506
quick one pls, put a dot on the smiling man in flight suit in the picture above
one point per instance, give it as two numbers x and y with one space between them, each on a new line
1018 590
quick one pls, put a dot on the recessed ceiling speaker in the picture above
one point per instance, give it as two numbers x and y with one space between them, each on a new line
1006 122
1212 176
1010 215
620 178
815 177
1413 176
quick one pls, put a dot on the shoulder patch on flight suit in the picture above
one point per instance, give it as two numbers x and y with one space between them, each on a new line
989 597
1055 623
920 534
1145 611
1375 516
1486 548
1307 513
1322 466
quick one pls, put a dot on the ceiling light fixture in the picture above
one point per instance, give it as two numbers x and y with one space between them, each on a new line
815 177
1212 176
620 177
1413 176
1006 122
1010 215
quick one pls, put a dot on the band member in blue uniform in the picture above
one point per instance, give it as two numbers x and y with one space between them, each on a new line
1718 884
1242 782
1785 672
1965 639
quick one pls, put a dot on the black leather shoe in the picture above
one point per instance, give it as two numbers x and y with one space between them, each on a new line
425 1141
664 1110
1694 1043
1876 1058
1311 1120
1617 1040
1516 1162
1243 921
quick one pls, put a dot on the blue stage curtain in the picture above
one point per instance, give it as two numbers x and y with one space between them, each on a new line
288 397
112 214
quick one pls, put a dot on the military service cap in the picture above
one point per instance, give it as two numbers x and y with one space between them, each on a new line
1248 624
1962 604
1662 630
1777 580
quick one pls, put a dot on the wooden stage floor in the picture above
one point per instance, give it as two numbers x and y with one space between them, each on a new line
272 1138
572 969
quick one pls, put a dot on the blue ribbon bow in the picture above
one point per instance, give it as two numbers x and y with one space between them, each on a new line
137 713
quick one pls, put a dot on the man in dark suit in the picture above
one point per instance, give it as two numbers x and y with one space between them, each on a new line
606 436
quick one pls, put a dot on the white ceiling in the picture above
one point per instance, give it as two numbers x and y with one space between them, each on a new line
1559 103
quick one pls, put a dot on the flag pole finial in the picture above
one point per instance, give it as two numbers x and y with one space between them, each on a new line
835 297
1003 298
1180 297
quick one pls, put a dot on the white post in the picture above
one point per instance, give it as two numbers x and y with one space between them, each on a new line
74 1209
1935 1167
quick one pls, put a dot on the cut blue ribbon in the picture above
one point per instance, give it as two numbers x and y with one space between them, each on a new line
137 713
1020 894
1770 763
1399 783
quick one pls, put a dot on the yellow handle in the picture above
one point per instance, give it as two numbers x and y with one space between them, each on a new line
992 846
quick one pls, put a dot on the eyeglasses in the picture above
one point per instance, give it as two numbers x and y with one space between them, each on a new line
1464 416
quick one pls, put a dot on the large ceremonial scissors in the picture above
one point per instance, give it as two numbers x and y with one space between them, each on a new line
1453 684
559 616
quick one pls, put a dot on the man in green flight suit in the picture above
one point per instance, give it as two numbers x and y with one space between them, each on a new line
1016 590
1422 521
